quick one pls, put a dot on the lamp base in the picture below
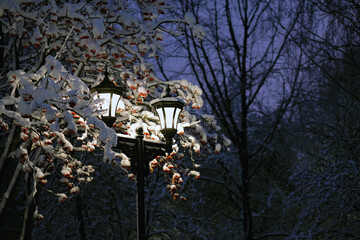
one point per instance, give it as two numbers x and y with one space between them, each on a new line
109 121
168 133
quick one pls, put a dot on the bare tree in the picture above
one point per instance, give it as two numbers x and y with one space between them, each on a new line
249 72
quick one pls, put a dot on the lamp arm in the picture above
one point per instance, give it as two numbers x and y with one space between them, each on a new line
129 147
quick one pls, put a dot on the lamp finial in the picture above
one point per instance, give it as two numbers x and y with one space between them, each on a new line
168 91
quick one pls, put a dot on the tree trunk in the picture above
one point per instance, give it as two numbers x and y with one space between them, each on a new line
247 216
1 49
79 210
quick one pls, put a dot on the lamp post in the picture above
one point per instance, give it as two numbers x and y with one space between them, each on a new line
138 149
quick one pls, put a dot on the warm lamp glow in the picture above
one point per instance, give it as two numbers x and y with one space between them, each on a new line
161 116
112 103
112 95
176 117
168 117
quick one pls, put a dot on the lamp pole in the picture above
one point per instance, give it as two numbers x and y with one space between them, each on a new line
140 184
140 151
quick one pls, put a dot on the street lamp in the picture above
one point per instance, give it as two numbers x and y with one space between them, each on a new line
112 95
168 109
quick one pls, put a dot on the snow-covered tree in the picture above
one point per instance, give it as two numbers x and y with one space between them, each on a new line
52 54
324 202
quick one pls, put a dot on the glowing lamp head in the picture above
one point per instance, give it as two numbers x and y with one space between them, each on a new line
168 110
112 96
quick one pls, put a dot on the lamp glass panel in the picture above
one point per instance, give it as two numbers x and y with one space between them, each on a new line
114 104
177 112
106 104
169 116
120 105
161 116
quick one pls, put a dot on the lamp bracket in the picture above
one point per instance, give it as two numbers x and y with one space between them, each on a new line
128 146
